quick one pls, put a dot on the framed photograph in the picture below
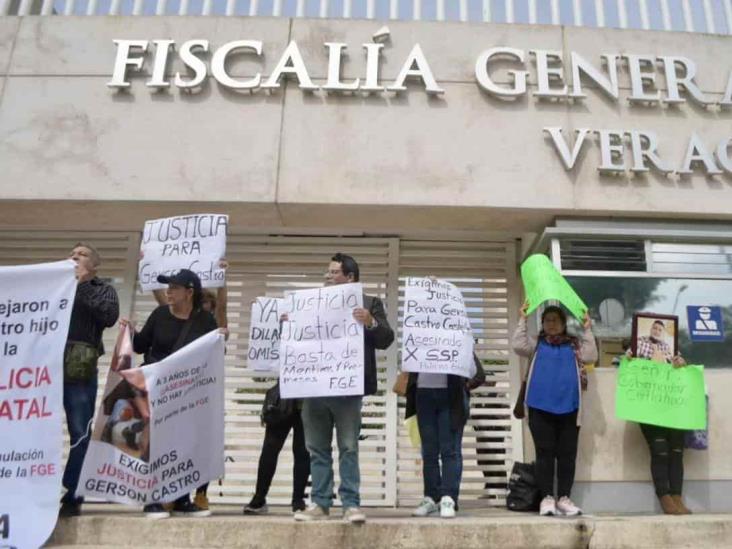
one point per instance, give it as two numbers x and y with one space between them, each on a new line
655 337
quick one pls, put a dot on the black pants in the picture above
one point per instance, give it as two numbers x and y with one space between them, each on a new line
274 439
555 438
667 458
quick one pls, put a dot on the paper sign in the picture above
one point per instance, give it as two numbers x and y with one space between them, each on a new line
543 282
659 394
35 311
264 335
437 337
322 346
196 242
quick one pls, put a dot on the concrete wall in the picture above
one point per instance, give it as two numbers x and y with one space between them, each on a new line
311 159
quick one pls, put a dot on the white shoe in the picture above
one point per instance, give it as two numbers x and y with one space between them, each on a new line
447 507
354 515
427 507
567 508
548 507
313 512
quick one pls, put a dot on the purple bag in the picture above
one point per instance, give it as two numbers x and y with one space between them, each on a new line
698 439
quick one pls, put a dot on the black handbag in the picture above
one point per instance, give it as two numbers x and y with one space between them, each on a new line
523 494
276 410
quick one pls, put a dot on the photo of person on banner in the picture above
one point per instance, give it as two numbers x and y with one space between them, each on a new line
655 337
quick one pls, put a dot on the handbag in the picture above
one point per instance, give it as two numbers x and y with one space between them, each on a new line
400 385
80 362
523 494
276 410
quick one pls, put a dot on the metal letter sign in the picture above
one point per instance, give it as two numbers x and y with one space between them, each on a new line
705 323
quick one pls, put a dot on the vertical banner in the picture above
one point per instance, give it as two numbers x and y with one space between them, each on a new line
195 242
160 429
35 310
321 345
436 336
263 354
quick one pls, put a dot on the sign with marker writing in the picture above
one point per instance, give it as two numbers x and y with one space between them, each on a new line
659 394
322 345
437 337
196 242
35 311
264 335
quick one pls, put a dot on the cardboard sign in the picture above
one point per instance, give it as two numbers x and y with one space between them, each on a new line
543 282
263 354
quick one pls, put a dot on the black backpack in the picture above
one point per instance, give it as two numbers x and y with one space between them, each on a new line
523 494
276 410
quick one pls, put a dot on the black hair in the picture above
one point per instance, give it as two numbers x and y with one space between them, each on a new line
658 322
559 312
348 265
197 298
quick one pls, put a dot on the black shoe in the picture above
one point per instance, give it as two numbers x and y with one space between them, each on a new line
155 511
298 505
189 509
254 509
69 509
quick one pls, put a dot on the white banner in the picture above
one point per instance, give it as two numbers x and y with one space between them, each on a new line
135 460
35 310
321 346
196 242
436 337
263 354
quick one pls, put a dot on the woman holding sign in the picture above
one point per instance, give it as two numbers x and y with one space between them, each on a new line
553 395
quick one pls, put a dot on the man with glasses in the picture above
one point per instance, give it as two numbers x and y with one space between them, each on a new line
321 414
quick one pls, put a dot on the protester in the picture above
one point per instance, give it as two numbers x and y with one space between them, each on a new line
553 390
168 329
666 445
321 414
442 405
96 307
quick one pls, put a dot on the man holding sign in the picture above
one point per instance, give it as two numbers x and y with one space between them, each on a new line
322 413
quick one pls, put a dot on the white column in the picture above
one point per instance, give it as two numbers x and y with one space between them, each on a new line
393 9
645 21
577 12
300 9
487 16
69 7
666 15
622 15
600 13
440 10
532 12
323 10
253 7
417 10
728 15
277 8
555 12
138 6
114 7
370 9
709 16
688 19
510 16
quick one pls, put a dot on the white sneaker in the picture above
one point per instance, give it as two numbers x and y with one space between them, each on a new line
313 512
354 515
427 507
447 507
567 508
548 507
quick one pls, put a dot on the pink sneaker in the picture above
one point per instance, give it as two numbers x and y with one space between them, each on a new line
548 507
567 508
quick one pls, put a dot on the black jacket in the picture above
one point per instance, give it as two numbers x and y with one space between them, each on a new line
379 337
458 388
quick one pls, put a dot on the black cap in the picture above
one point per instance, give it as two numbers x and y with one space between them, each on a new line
184 277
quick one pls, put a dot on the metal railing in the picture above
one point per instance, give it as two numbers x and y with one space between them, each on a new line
708 16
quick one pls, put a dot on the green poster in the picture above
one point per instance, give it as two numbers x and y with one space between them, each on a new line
659 394
542 282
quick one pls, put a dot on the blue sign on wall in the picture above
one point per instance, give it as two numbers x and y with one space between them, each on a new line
705 323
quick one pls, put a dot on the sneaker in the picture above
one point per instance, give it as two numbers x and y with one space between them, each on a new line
567 508
547 507
427 507
201 500
189 509
298 505
155 511
447 507
252 509
312 512
354 515
69 509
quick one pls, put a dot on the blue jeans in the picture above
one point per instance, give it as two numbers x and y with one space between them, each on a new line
440 445
79 398
319 416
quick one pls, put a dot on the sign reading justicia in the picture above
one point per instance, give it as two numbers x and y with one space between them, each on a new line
555 80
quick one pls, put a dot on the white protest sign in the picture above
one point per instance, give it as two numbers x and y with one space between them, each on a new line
160 430
321 345
264 335
436 337
196 242
35 310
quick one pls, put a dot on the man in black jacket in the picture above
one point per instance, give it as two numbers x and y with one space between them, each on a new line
321 414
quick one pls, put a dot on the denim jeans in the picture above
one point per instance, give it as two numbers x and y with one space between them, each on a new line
319 416
79 398
441 445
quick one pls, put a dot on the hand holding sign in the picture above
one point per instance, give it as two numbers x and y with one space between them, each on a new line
543 282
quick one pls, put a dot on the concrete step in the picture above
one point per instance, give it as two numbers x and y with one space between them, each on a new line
115 526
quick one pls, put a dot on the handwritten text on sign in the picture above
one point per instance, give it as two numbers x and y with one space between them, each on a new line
659 394
195 242
437 335
321 346
264 335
